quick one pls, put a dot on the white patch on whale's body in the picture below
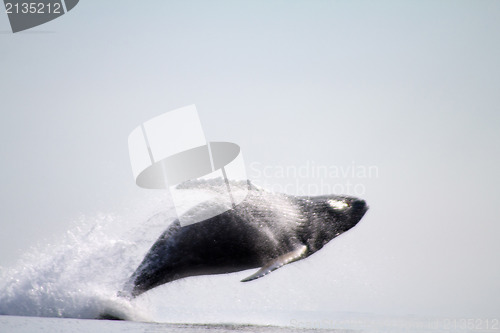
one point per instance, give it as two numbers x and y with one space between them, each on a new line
338 204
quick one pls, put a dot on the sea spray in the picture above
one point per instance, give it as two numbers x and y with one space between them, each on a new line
79 276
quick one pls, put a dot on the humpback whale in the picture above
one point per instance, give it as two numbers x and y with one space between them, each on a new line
266 230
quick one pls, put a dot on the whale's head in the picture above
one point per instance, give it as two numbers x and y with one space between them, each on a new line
345 212
329 216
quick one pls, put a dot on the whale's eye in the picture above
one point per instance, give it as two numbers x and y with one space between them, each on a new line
338 204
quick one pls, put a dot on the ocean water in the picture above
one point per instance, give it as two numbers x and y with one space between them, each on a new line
65 285
357 323
55 325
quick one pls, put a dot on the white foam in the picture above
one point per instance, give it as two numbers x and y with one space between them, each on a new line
79 276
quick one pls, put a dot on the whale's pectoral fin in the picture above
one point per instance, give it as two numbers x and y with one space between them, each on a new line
282 260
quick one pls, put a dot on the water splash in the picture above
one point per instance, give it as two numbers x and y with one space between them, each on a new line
79 276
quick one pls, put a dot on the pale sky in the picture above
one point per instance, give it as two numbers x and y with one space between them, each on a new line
411 88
